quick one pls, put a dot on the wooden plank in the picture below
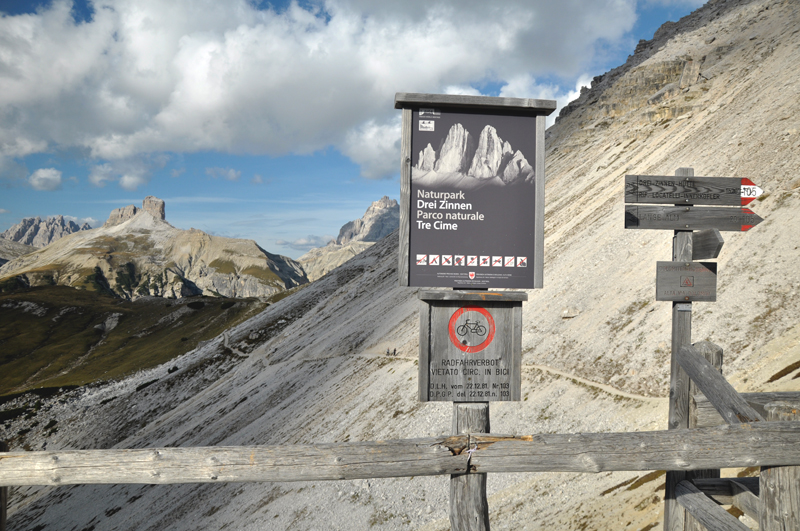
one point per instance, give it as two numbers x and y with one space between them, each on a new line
407 100
730 405
3 495
709 514
665 190
742 445
706 244
424 350
779 499
539 204
744 499
328 461
721 489
469 507
678 416
690 218
483 296
405 198
686 281
706 416
712 353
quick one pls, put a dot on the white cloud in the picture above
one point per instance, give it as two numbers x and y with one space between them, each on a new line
525 86
257 179
45 179
3 211
225 173
130 173
307 243
146 76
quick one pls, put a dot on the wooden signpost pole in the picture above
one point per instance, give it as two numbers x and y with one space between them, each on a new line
469 507
675 514
3 495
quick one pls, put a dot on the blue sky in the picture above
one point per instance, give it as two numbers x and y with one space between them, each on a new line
266 120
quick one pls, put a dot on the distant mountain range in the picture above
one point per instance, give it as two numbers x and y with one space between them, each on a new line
137 253
39 232
381 219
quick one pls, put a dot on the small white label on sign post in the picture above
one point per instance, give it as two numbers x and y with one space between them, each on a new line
751 191
427 125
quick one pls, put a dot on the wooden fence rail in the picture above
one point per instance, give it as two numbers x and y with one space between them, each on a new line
741 445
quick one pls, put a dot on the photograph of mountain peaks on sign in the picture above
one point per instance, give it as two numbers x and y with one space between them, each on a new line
474 154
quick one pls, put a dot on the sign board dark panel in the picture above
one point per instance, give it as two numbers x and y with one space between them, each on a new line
473 208
686 281
690 218
470 350
717 191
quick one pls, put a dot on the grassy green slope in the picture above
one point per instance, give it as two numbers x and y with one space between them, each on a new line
56 336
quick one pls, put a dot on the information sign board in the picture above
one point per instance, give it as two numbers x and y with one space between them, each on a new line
686 281
716 191
472 197
690 218
470 346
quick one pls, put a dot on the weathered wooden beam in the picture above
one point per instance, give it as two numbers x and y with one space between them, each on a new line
706 244
713 353
704 414
745 500
3 495
705 511
730 405
741 445
469 506
721 489
779 498
330 461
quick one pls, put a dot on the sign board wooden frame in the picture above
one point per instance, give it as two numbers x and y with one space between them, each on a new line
470 346
455 232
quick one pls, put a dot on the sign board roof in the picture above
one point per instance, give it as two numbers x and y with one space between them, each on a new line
686 281
690 218
717 191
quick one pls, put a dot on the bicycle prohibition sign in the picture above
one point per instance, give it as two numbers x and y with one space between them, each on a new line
458 332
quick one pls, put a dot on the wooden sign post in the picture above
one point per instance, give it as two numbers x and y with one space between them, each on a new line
471 166
682 280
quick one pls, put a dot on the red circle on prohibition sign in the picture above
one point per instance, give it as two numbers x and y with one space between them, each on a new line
452 329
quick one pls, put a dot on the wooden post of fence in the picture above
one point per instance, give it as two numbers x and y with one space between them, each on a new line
469 508
779 496
713 353
674 514
3 495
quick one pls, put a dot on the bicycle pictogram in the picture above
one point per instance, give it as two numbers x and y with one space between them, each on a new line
475 327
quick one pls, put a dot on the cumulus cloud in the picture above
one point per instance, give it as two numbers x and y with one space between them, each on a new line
45 179
224 173
145 76
3 211
307 243
129 173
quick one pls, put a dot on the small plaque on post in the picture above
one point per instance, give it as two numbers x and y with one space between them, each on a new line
686 281
470 346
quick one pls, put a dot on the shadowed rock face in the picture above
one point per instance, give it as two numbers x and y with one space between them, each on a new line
40 232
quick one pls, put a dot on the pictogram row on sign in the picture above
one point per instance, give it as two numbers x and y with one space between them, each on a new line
461 260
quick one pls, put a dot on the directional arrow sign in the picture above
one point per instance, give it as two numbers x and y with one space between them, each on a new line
690 218
716 191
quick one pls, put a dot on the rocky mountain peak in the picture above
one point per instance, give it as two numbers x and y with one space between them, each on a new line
40 232
381 218
456 152
151 204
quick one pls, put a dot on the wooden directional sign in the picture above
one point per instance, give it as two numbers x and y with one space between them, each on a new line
716 191
690 218
706 244
686 281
